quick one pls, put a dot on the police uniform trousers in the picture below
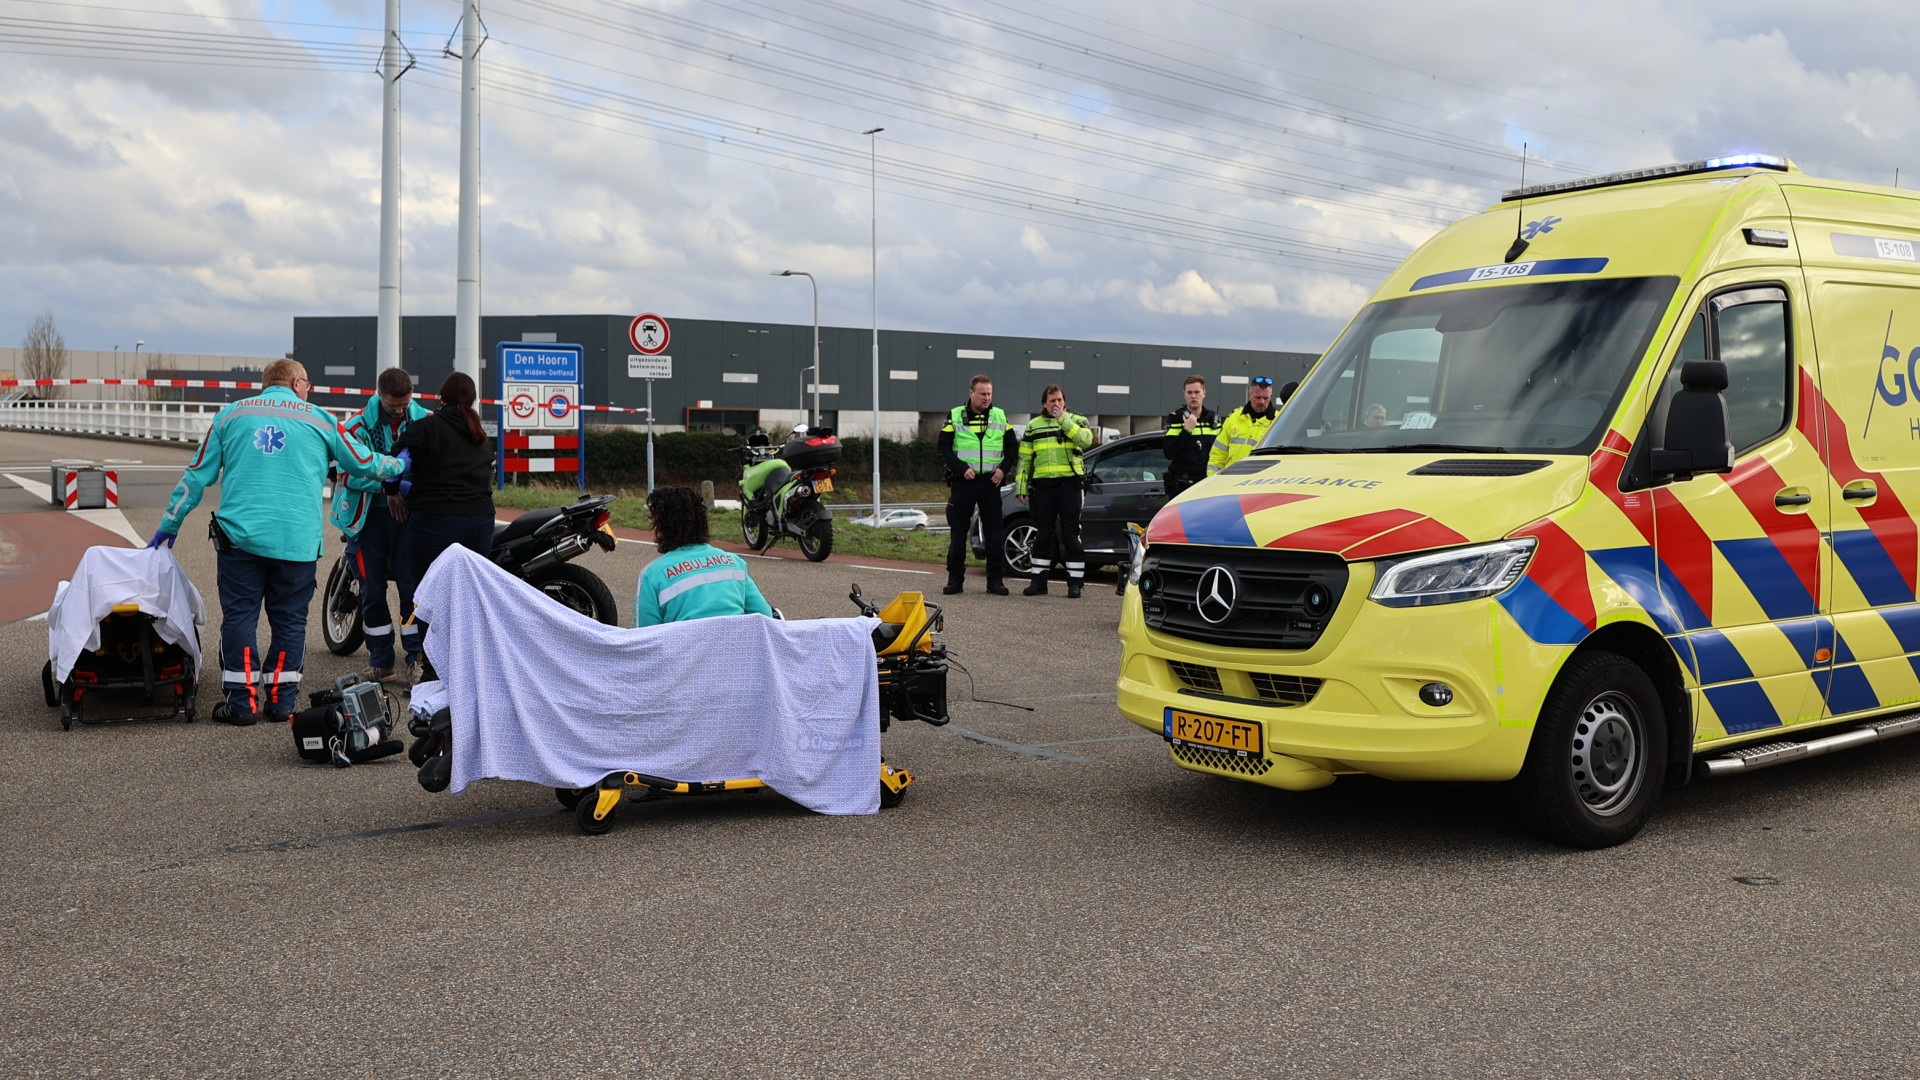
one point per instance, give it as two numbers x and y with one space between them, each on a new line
963 499
1177 483
260 682
1056 514
379 556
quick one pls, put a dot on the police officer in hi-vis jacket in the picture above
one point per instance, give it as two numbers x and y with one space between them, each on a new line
269 454
980 450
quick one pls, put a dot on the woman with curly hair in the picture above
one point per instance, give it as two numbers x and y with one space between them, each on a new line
691 579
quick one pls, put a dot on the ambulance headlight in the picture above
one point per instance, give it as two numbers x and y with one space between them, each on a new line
1448 577
1137 563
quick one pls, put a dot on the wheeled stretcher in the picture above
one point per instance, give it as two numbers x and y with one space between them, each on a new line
129 620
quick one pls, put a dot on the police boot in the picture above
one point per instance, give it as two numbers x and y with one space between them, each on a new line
1037 588
1073 589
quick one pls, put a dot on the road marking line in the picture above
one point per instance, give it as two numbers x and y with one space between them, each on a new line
112 520
43 492
888 569
1018 748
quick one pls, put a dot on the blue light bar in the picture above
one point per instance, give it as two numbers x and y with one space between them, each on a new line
1634 176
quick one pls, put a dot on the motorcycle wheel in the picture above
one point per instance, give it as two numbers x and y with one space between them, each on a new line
753 527
580 589
340 610
817 544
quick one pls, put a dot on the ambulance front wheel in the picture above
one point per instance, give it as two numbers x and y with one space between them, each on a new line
1597 762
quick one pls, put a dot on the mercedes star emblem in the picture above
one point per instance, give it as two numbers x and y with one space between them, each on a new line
1216 595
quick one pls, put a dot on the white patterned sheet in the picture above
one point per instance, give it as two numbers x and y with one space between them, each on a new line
541 693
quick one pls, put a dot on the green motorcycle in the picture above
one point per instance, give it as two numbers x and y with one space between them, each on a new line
780 490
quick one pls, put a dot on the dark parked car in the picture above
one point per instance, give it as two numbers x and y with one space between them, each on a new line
1126 482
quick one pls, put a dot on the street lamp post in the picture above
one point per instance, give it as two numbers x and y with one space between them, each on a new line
815 421
873 202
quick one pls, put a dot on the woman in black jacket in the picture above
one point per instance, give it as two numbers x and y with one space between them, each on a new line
451 498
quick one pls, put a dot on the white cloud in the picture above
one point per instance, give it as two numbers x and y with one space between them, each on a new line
1240 168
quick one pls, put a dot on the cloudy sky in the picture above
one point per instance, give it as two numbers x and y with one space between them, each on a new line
195 173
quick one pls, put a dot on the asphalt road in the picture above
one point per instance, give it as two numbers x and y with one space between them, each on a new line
187 901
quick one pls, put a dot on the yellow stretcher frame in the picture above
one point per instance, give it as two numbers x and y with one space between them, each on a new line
595 814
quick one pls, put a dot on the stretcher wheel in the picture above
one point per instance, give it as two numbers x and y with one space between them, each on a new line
47 685
583 815
570 797
890 798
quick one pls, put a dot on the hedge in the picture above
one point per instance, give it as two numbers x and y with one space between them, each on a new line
616 458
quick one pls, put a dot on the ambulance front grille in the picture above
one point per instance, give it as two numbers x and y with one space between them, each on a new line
1219 761
1280 599
1197 676
1285 689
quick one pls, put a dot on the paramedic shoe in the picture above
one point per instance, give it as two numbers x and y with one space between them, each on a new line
997 589
1073 590
1038 588
380 675
224 713
953 588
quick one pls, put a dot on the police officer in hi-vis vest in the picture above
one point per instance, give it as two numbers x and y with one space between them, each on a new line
980 449
1051 474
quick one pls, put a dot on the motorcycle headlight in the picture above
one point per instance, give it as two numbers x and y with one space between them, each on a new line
1448 577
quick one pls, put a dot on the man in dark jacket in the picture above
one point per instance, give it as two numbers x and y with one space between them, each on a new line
980 450
1190 433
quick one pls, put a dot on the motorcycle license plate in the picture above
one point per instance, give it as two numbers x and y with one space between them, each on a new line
1239 737
823 484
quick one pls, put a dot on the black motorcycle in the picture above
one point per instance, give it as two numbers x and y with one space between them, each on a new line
780 490
537 547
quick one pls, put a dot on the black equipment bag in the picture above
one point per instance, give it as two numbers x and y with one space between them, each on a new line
348 725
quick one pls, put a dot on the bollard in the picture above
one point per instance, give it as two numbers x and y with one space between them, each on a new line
706 493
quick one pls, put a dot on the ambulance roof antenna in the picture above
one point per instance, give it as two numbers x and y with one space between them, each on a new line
1519 247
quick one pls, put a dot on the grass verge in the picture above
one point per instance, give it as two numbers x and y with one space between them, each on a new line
630 511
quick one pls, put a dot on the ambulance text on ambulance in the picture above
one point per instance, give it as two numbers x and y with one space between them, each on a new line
1309 481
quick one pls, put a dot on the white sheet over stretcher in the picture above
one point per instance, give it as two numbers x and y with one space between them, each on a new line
539 692
108 577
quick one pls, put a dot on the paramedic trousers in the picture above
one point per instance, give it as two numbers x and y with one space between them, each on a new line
1056 514
430 534
380 556
260 681
967 495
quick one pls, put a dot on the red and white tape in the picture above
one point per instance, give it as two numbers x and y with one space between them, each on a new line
224 384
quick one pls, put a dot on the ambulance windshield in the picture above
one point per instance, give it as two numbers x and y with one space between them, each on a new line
1526 368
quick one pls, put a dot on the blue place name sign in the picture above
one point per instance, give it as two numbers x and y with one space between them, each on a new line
539 363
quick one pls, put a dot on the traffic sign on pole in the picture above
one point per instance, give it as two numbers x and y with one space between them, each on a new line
649 334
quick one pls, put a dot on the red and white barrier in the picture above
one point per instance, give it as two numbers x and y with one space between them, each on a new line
70 488
225 384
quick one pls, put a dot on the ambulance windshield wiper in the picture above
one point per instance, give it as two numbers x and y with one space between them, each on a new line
1292 448
1452 448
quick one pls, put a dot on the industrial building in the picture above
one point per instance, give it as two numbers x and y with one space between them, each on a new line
735 375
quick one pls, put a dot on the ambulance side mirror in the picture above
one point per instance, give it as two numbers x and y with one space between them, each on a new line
1696 437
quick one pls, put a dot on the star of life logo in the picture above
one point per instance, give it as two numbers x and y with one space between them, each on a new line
269 439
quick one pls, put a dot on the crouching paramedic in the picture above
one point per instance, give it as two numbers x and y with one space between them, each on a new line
269 453
691 579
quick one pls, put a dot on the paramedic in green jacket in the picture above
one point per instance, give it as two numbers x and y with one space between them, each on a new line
375 525
269 454
691 579
1051 474
979 449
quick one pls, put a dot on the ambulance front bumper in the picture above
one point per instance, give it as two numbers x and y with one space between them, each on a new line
1350 704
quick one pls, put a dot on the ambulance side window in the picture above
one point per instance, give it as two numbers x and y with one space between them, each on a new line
1749 335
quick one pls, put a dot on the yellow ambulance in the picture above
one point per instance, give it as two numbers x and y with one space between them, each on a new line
1618 474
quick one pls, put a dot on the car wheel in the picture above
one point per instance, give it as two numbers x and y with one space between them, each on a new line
1019 547
1597 762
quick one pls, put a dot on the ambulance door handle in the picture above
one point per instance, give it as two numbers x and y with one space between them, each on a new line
1860 491
1793 500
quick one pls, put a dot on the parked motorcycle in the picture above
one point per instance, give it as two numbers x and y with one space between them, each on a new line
780 490
537 547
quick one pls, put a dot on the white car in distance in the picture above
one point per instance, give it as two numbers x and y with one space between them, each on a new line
901 518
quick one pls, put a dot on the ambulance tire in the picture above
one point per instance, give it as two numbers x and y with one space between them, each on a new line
1597 762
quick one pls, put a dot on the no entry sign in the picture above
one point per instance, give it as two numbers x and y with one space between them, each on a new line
648 334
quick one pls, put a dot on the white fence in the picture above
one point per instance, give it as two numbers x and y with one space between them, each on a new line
167 421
